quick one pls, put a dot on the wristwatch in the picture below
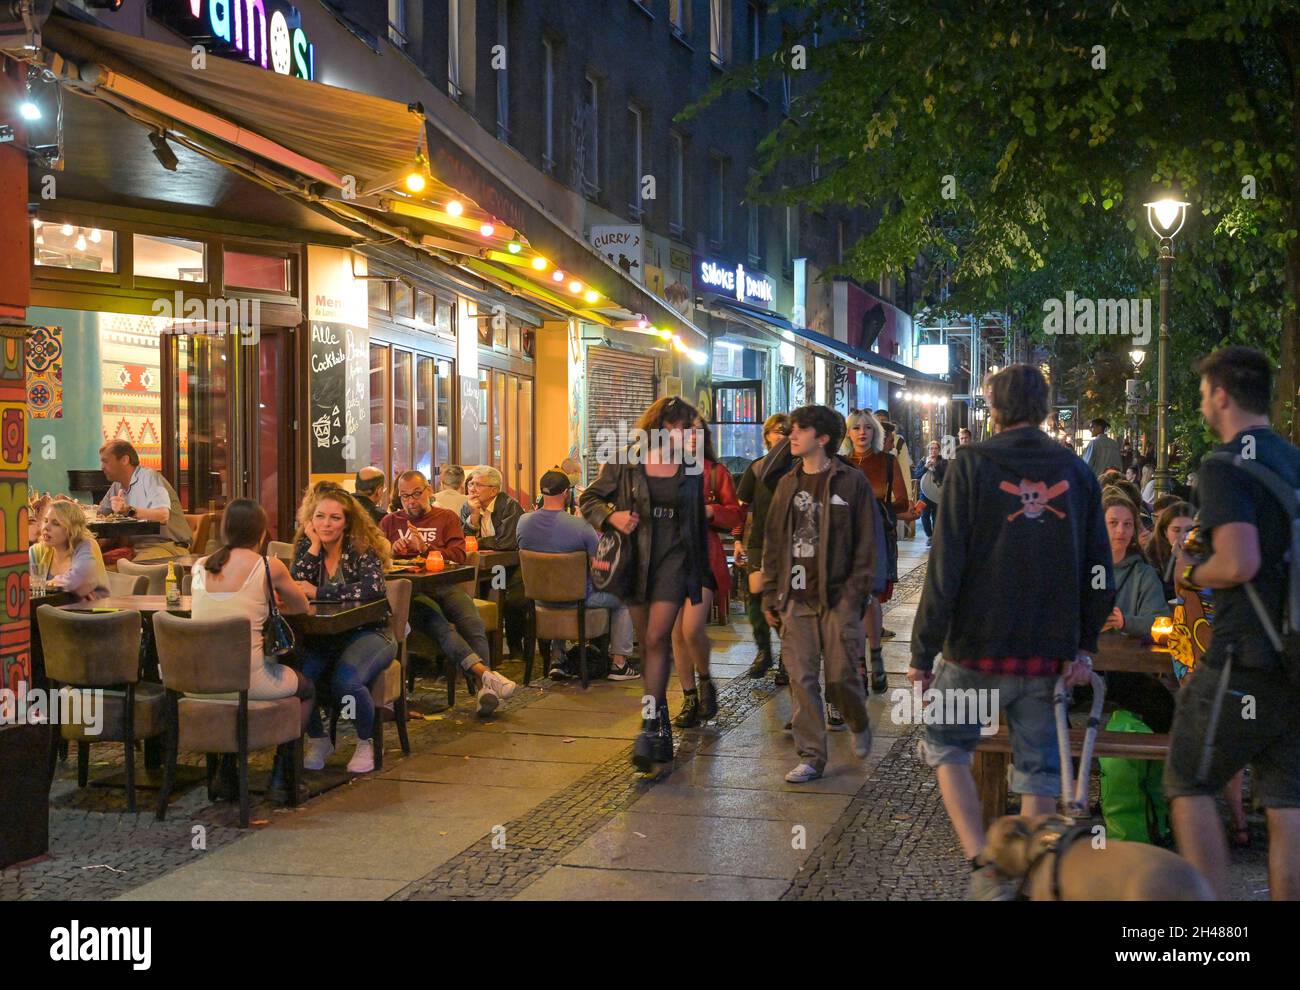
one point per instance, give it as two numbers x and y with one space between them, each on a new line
1187 581
130 511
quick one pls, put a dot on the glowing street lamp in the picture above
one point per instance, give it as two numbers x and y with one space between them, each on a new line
1166 217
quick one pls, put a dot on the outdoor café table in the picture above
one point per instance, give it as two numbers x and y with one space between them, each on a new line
1117 652
123 527
422 580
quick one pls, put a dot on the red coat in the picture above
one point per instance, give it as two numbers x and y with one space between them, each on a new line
720 492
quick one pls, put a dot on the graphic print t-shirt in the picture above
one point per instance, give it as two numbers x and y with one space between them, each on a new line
439 528
806 510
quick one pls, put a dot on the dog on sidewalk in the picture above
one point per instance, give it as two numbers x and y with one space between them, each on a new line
1058 861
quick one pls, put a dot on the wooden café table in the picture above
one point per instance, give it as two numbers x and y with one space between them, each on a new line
422 580
1115 653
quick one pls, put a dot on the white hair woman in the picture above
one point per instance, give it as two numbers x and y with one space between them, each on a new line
885 475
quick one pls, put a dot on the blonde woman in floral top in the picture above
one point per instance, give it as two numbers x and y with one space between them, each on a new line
342 556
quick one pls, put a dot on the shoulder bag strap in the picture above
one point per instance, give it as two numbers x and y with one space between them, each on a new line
272 609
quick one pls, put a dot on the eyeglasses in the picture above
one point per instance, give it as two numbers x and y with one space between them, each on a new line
480 484
411 496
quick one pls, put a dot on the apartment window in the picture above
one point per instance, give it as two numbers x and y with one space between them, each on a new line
755 15
678 11
677 178
548 106
816 163
397 23
634 130
717 200
503 72
754 224
453 50
791 235
785 92
720 31
586 135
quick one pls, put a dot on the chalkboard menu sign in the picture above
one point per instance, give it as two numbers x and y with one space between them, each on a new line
340 366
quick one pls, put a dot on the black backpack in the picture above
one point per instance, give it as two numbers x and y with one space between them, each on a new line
1286 641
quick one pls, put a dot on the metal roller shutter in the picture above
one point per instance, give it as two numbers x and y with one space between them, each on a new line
620 385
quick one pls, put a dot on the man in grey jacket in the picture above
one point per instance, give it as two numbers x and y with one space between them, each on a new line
1102 452
815 589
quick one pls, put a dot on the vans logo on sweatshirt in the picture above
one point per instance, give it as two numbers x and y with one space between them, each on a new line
1035 497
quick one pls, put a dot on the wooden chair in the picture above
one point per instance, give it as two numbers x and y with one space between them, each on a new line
156 573
187 583
388 689
489 611
276 548
556 586
102 651
424 645
211 658
120 583
205 529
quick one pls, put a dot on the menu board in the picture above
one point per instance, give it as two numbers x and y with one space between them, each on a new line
339 422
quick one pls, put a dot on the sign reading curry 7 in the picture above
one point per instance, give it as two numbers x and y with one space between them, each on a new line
268 33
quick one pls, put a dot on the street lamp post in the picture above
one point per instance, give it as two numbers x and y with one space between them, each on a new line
1166 216
1137 356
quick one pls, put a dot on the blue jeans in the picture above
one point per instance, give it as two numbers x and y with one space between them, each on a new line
343 666
927 515
451 618
620 621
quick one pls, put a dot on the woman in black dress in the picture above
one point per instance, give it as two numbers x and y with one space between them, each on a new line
651 493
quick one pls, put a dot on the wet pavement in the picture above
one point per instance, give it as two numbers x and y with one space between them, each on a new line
541 802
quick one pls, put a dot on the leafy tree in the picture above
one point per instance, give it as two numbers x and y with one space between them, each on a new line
1009 146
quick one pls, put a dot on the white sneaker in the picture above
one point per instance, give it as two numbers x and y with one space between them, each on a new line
363 760
862 743
802 774
503 687
487 700
317 752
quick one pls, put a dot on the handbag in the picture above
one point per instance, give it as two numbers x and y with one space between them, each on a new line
613 562
277 635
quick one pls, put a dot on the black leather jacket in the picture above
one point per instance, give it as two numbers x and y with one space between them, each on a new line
624 486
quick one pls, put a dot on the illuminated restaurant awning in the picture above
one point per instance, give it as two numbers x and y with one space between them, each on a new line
347 154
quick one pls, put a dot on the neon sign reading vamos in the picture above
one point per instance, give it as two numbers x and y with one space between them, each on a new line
265 32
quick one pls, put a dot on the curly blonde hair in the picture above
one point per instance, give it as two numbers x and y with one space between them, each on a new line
359 530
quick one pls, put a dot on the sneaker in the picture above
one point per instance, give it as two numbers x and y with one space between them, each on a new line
834 721
627 672
802 774
317 752
501 685
487 700
363 759
557 671
887 633
782 678
708 699
862 743
689 716
761 665
879 682
988 883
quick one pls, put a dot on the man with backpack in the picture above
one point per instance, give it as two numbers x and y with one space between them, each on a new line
1017 589
1241 704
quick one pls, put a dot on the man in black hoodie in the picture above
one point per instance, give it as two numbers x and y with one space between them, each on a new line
1018 587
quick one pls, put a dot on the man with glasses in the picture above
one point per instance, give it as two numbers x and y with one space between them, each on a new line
446 614
492 517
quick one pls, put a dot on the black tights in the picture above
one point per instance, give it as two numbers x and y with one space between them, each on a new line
654 629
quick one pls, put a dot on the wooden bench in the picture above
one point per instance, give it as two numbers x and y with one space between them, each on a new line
993 756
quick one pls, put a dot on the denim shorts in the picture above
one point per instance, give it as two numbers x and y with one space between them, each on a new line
1026 703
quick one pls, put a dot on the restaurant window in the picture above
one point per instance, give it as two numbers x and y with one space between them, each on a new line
444 313
424 415
717 200
484 417
174 258
500 324
720 31
403 419
257 271
677 192
424 309
379 418
402 301
377 295
634 122
738 422
443 385
203 384
66 245
397 23
548 106
503 72
678 14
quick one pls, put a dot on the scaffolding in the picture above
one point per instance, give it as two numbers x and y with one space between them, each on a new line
977 346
